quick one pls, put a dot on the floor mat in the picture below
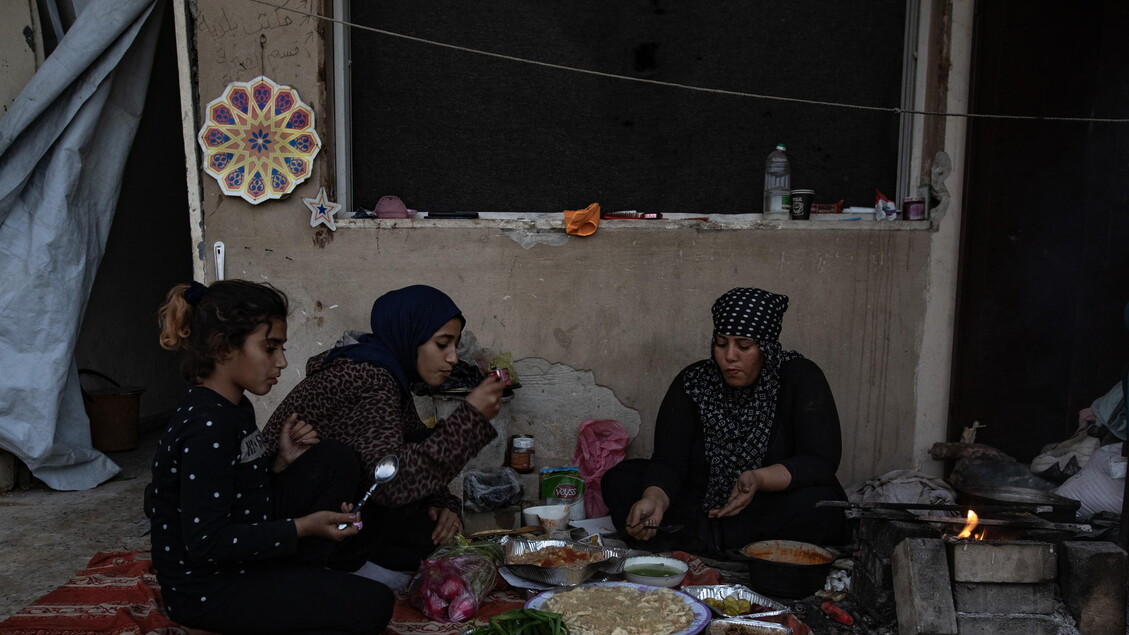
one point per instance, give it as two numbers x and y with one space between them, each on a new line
117 593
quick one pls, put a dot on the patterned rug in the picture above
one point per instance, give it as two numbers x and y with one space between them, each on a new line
116 593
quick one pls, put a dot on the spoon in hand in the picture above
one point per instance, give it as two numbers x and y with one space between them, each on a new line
662 528
385 469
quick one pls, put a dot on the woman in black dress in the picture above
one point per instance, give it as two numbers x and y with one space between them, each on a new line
746 443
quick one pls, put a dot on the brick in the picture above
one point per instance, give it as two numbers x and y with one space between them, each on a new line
881 535
1007 625
1003 561
1002 597
1092 581
872 586
921 588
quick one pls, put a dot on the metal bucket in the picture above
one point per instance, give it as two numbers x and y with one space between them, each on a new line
114 414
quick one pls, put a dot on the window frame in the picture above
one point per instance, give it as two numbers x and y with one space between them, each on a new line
342 174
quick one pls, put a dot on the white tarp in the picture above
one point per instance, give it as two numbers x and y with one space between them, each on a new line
63 148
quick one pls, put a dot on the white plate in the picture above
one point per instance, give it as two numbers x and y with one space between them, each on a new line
700 610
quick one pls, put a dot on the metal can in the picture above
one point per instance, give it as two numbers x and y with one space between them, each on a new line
501 373
913 208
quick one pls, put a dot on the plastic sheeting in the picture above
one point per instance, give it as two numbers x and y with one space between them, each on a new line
63 148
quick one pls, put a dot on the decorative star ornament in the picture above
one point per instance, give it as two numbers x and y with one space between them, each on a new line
322 210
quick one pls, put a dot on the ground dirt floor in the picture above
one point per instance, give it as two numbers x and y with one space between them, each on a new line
47 536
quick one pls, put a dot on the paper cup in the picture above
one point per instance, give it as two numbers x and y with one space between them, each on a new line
554 518
801 204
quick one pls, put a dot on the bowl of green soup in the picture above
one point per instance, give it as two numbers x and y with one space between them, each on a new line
655 570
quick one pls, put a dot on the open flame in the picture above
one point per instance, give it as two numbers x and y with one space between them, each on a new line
970 526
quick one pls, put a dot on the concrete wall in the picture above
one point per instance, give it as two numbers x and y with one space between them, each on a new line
21 49
630 304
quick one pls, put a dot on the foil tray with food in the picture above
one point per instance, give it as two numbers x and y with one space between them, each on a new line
731 601
560 562
746 627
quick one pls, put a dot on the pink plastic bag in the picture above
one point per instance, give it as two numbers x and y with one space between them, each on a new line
452 589
601 444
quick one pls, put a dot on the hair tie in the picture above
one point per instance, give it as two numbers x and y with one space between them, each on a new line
194 293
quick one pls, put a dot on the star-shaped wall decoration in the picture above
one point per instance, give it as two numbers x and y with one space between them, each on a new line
322 210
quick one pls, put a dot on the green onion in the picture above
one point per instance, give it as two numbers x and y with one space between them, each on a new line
523 622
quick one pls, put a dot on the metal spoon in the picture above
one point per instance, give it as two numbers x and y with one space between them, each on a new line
385 469
662 528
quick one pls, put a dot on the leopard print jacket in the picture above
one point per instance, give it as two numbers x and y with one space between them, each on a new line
360 404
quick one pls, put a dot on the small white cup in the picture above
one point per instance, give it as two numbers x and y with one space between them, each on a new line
554 519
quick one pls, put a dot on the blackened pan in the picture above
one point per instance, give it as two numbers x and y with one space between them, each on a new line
785 568
1062 509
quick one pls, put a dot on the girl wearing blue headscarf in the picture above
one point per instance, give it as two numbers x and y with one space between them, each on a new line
359 394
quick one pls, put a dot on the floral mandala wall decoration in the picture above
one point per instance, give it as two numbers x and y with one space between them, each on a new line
259 140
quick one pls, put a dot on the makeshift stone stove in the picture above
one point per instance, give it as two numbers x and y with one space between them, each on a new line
1015 582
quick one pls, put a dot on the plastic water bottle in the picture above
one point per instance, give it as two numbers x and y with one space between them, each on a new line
777 182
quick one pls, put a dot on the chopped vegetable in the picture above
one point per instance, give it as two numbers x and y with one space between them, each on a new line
837 614
732 605
523 622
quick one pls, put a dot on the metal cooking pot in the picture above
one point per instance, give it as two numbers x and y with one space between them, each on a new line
785 568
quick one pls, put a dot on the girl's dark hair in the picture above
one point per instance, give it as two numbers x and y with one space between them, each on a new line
207 323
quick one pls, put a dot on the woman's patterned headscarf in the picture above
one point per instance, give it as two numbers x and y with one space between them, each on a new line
738 422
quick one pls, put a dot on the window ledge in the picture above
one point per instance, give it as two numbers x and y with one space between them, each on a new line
712 222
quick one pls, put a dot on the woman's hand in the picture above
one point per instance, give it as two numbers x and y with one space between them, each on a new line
773 478
647 511
324 524
447 524
747 485
295 438
487 396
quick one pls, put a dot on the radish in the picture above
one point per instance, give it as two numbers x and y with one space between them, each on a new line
451 586
462 608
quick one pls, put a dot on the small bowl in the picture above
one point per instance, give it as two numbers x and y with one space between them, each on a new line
530 515
668 581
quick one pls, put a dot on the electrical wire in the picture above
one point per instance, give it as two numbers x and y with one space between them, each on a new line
716 91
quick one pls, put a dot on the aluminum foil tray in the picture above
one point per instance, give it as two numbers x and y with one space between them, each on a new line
746 627
721 591
611 561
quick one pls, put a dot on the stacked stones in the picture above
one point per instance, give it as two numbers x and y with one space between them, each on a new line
1004 587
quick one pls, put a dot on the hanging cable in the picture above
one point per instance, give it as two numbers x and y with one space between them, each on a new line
716 91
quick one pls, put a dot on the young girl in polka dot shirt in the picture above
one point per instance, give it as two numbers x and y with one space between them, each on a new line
241 536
